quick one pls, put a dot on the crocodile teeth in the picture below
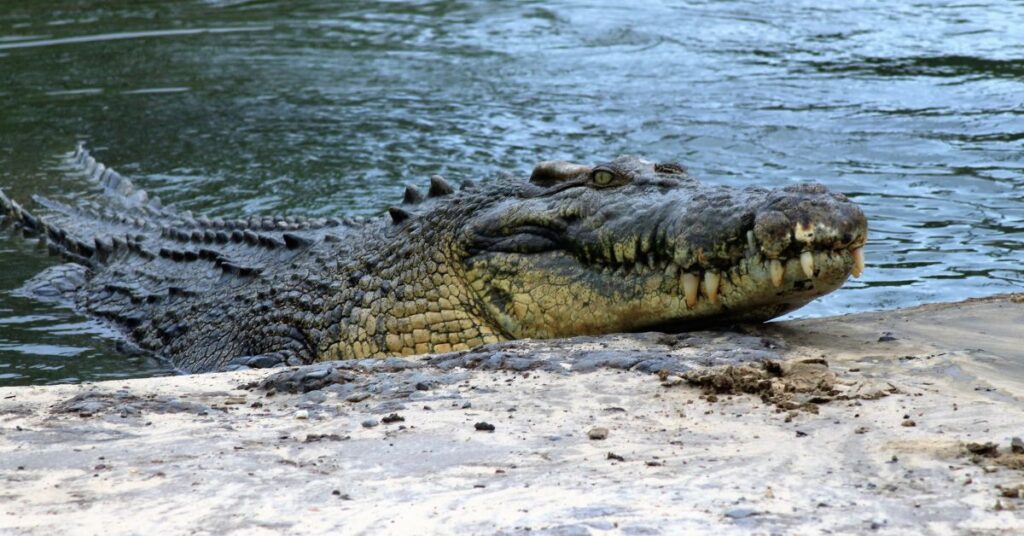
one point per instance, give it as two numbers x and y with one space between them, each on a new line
711 282
775 267
807 263
751 244
690 285
858 262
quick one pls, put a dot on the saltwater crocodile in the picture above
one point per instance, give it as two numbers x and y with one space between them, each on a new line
622 246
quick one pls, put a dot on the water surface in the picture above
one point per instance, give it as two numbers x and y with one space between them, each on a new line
308 107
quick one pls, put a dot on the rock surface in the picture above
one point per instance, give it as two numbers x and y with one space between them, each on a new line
787 427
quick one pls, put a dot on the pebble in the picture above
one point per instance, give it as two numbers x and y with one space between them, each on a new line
598 433
302 414
615 457
672 381
484 427
1017 446
370 423
908 423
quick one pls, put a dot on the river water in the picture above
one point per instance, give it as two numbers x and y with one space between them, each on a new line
915 110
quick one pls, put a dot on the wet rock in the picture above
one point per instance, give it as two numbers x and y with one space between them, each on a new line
1017 446
357 397
314 397
370 423
741 513
313 438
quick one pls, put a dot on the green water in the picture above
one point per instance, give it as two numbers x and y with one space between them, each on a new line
324 108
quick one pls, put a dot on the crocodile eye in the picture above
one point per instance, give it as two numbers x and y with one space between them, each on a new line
603 177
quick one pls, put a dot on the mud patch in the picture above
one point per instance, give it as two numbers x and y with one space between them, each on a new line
125 404
790 385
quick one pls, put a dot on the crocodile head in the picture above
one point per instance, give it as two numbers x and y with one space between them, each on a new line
631 245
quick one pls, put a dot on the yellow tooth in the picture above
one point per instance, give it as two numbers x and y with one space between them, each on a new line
690 285
775 267
807 263
858 262
804 234
711 282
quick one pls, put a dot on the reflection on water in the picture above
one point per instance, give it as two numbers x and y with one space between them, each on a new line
307 107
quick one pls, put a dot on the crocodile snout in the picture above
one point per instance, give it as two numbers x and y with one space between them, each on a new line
802 220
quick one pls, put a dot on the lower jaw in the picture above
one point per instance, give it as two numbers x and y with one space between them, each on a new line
751 292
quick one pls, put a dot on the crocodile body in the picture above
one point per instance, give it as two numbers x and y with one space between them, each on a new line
622 246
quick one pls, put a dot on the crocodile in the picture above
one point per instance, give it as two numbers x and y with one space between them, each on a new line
575 249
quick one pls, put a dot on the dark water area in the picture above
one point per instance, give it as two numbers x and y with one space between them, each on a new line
915 110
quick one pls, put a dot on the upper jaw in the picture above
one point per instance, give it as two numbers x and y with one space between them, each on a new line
800 240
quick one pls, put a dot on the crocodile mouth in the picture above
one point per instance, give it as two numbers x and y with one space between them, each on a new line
726 282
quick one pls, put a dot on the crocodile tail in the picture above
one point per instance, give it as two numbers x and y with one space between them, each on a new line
58 240
114 184
89 234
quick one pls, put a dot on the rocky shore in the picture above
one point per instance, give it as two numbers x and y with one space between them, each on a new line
894 422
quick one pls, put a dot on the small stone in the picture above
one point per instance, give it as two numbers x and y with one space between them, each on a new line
394 417
1017 446
886 337
598 433
987 449
908 423
484 427
370 423
615 457
302 414
861 430
1012 492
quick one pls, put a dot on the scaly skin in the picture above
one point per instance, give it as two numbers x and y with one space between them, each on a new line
624 246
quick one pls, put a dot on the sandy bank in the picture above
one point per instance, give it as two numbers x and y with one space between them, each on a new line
860 423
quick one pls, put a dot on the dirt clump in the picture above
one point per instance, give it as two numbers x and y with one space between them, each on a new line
800 384
989 454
